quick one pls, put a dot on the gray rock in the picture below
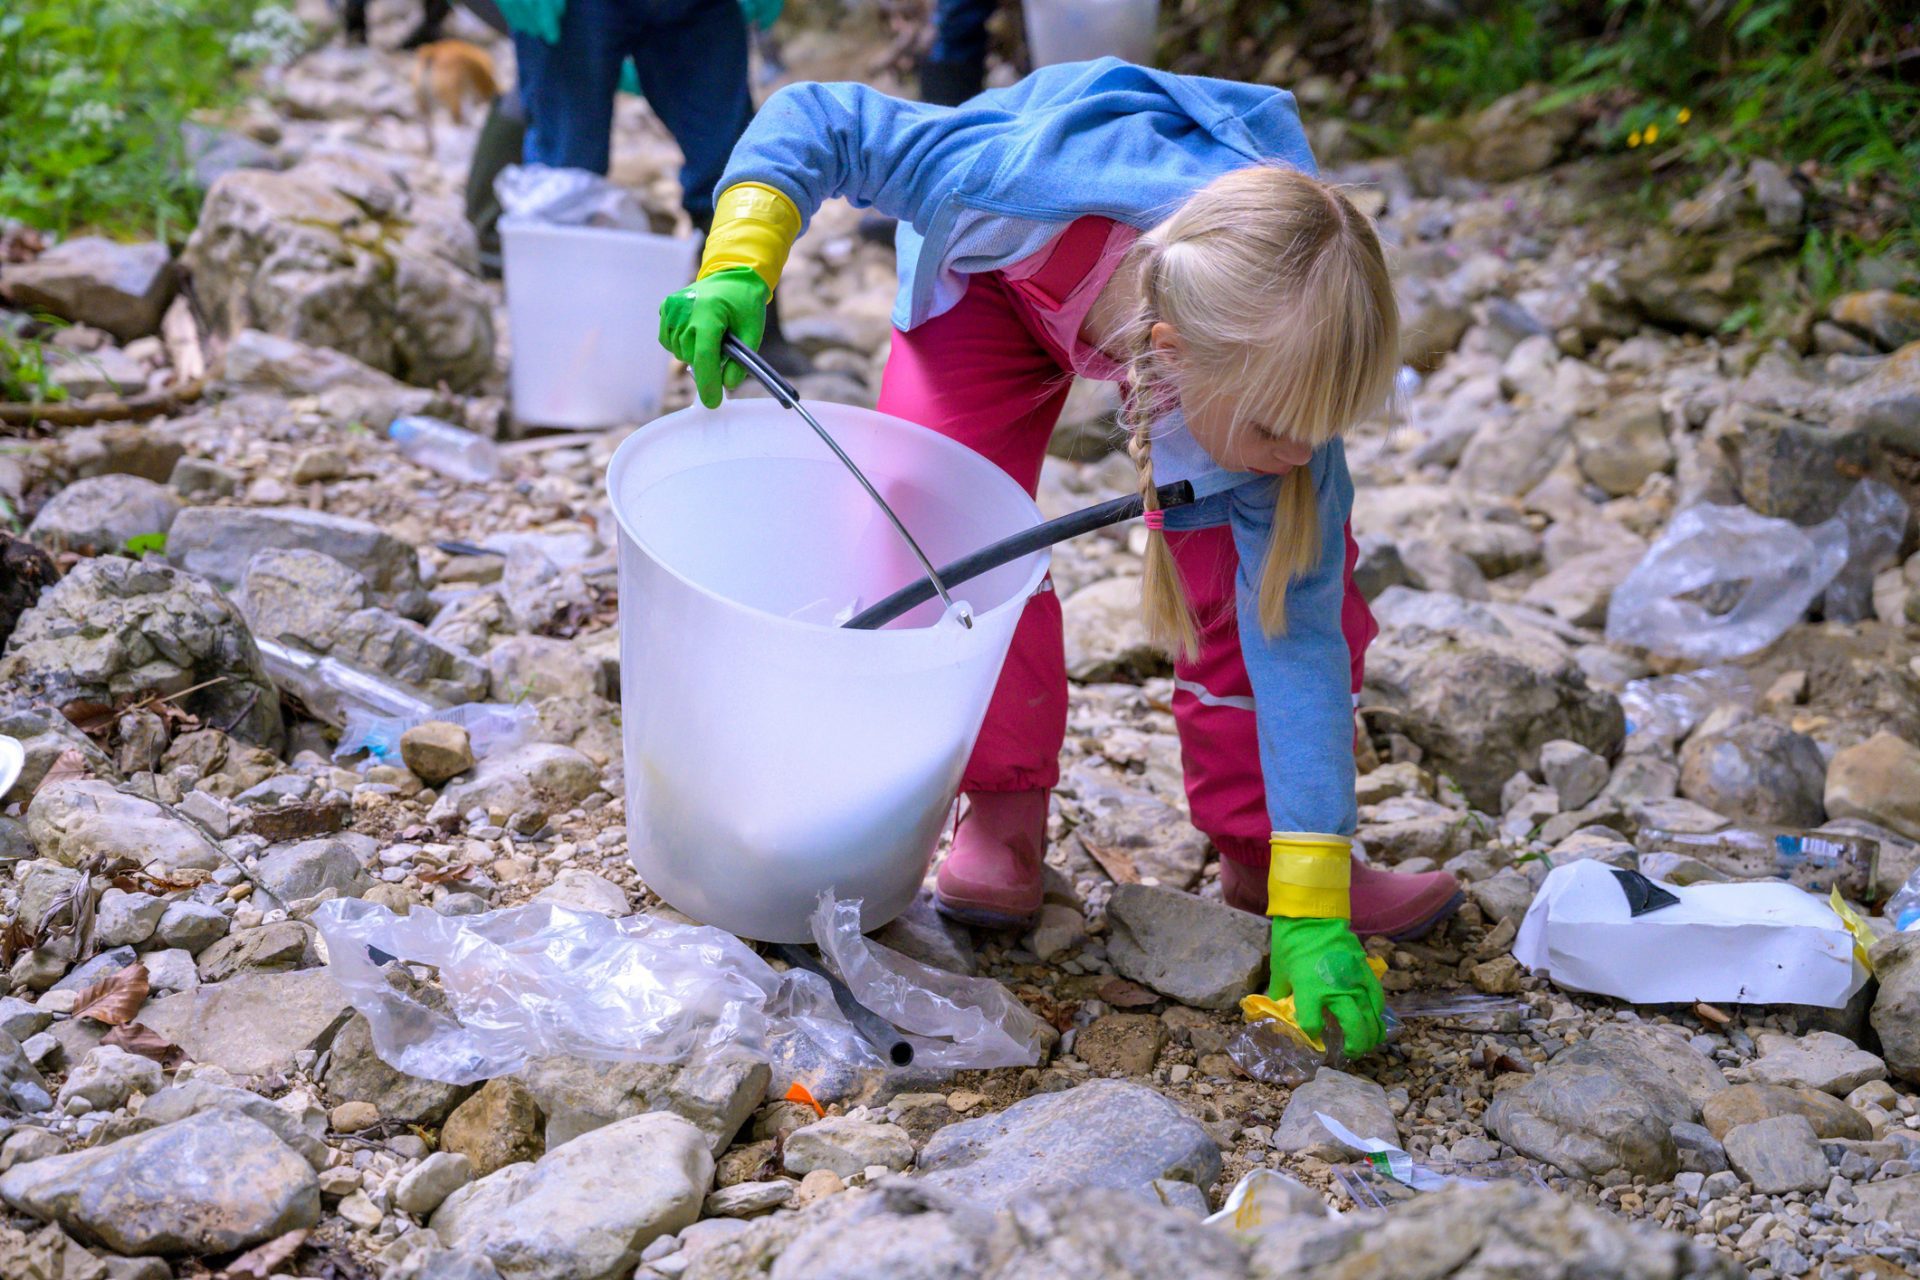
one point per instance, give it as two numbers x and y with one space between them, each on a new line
303 869
1157 838
47 891
252 1024
346 388
746 1199
539 775
21 1086
1360 1105
212 1183
578 1095
298 595
1660 1060
20 1019
1756 770
929 937
24 1146
170 969
1503 1228
1778 1155
96 969
1481 705
427 1185
381 640
190 926
1508 458
1897 1200
1106 638
1823 1060
76 821
297 255
578 887
524 667
1896 1008
113 630
1576 774
126 919
846 1146
357 1073
1505 895
554 1219
285 944
1588 1119
1623 443
218 543
1105 1133
100 515
304 1132
1199 952
122 288
109 1076
1700 1152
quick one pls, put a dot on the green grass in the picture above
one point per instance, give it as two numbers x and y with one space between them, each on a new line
23 372
93 94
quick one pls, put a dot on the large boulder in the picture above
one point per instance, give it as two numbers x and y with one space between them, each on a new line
1896 1008
218 543
122 288
102 514
346 389
586 1210
116 630
77 821
1200 952
1755 770
1877 780
1482 705
300 596
327 254
253 1024
214 1182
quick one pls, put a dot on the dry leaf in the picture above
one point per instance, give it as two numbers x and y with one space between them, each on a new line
1117 863
69 765
1122 994
264 1260
445 875
115 998
145 1041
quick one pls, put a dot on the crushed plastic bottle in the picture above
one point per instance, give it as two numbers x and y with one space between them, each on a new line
1670 706
1724 581
490 726
440 446
1817 861
1903 908
333 690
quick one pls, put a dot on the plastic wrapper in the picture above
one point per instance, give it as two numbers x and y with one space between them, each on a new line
567 198
1389 1174
1816 861
535 981
1670 706
490 726
1260 1199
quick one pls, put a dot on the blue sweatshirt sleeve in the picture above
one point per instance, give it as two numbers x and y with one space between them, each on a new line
1302 683
816 141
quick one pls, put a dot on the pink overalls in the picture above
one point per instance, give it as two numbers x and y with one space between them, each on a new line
993 373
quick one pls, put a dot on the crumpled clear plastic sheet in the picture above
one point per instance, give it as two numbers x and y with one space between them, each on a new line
540 980
1668 707
490 726
954 1022
1724 582
568 198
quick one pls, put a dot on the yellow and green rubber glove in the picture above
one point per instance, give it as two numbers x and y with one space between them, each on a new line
754 227
1315 956
762 14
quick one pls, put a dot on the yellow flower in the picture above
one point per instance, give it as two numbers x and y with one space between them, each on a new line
1653 134
1686 114
1633 139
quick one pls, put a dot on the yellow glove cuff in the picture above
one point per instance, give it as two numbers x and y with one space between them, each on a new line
1309 876
753 226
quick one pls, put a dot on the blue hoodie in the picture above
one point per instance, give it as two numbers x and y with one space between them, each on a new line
979 187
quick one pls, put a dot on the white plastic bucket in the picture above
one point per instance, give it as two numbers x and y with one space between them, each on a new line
583 304
1080 30
769 753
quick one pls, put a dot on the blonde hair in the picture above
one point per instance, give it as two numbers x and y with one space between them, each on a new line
1279 293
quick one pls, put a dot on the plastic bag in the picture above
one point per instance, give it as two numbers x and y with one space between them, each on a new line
531 982
954 1022
568 198
1723 582
1875 518
1754 576
1670 706
490 726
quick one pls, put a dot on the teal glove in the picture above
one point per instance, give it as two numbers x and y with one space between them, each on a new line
762 14
1323 965
537 18
629 78
694 321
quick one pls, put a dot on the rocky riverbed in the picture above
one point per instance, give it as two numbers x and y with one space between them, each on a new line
187 1090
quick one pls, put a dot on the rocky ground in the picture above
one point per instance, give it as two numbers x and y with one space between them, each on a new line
184 1084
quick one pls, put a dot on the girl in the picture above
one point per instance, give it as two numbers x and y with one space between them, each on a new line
1166 232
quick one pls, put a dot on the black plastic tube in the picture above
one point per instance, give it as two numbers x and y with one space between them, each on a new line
874 1029
1026 542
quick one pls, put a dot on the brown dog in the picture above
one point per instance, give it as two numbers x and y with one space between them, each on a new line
450 72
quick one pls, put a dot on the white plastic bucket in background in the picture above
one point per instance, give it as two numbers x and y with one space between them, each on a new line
771 754
583 305
1081 30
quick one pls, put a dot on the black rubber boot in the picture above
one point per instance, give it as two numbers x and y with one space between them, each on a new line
502 140
354 21
427 30
948 84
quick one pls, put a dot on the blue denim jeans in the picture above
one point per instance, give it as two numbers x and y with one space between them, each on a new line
692 59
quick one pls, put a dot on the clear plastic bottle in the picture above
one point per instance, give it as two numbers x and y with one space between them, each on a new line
450 450
1903 908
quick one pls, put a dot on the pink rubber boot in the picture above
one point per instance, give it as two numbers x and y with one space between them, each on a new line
1390 904
991 878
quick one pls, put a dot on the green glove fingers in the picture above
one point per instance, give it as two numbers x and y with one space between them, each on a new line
762 14
1322 964
696 320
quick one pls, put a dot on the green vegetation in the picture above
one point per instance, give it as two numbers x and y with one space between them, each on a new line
23 372
93 94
